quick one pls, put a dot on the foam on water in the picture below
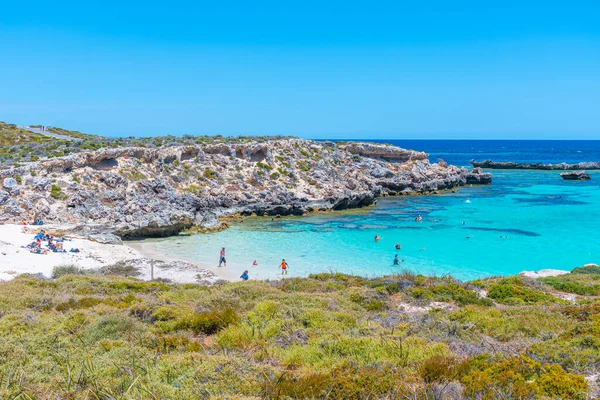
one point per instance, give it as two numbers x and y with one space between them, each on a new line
525 220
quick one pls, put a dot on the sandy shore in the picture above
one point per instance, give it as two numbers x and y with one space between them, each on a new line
230 273
15 260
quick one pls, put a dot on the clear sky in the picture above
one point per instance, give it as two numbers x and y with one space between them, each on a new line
321 69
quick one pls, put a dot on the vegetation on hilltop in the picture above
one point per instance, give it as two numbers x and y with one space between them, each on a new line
18 145
327 336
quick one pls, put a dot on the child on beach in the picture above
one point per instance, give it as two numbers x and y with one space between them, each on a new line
254 264
284 267
244 276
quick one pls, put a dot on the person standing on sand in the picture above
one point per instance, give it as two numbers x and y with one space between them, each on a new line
284 267
222 258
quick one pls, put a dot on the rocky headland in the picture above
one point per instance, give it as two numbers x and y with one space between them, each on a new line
145 192
489 164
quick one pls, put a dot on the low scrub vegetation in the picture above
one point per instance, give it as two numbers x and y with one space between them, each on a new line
104 334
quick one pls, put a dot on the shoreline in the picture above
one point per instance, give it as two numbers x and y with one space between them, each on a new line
93 255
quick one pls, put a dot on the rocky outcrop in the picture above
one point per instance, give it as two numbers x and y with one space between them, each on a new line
591 165
383 151
575 176
140 192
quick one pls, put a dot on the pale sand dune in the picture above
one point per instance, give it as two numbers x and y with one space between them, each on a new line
15 260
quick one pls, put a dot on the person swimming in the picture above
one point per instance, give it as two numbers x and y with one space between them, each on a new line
419 218
254 264
245 276
284 267
377 238
398 247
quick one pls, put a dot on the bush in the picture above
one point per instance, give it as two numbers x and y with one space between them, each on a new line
512 291
441 368
521 377
587 269
56 193
62 270
565 285
121 269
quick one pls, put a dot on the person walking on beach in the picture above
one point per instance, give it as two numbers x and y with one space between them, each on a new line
222 258
284 267
244 276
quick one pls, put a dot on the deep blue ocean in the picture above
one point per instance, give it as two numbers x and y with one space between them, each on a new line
524 220
461 152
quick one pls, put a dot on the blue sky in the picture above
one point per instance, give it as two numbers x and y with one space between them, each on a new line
419 69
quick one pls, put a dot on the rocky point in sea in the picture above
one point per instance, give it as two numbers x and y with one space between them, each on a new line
591 165
145 192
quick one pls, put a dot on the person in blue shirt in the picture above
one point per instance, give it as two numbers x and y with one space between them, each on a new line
244 276
397 261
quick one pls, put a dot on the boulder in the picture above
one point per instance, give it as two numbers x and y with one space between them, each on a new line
10 184
105 238
575 176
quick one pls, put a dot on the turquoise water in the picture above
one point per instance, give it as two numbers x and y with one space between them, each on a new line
525 220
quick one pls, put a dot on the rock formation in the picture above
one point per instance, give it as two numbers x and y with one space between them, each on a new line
516 165
136 191
575 176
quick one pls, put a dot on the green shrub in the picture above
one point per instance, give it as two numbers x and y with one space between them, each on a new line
62 270
565 285
120 268
264 166
521 377
56 193
588 269
442 368
513 291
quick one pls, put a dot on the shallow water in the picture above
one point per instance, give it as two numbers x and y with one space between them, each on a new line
525 220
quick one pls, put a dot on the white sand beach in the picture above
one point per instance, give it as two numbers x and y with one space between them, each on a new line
15 260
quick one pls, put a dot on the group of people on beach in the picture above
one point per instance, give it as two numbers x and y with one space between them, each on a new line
53 244
223 261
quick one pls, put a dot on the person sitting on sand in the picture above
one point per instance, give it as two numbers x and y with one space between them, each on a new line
398 247
254 264
244 276
38 250
40 235
284 267
377 238
222 258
